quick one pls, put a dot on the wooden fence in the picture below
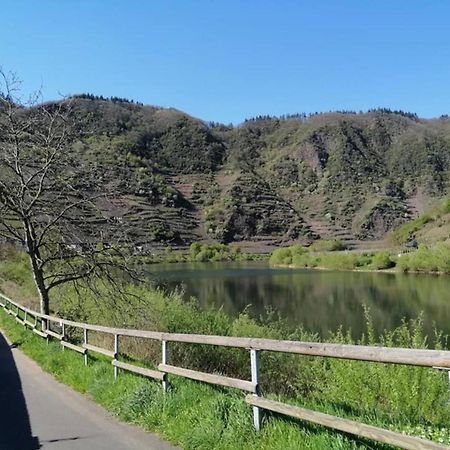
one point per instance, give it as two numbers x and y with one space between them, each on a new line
41 324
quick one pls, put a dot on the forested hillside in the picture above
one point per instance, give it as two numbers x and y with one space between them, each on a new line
172 179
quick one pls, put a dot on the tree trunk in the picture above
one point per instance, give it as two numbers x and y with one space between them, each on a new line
36 267
38 276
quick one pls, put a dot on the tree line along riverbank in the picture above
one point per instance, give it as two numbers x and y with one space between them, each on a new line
435 259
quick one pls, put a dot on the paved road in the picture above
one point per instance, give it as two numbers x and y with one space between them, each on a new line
38 412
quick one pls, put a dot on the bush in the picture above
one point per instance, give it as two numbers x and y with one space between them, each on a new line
436 259
446 206
281 256
306 261
298 256
346 261
381 261
331 245
286 255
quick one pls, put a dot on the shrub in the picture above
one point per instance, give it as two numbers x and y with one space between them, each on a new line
330 245
281 256
436 259
345 261
382 260
286 255
306 260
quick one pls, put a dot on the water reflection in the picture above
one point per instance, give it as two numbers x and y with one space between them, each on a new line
319 300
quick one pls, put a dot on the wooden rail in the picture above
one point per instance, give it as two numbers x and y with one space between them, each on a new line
53 334
40 333
96 349
208 378
345 425
415 357
74 347
155 374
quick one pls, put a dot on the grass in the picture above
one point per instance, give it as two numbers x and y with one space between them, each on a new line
409 230
193 415
198 416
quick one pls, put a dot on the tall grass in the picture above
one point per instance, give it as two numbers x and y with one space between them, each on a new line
404 396
196 416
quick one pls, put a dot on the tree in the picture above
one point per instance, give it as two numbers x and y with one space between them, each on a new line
50 197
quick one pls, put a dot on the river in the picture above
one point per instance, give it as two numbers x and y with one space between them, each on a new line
318 300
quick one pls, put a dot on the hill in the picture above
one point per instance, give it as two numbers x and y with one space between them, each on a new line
173 179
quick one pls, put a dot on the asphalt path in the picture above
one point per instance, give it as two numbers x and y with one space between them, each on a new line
37 412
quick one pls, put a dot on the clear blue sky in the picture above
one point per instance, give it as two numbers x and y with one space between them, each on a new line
227 60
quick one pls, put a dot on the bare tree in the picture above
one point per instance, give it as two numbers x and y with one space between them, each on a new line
49 198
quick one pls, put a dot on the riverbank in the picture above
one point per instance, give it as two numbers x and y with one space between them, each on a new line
198 252
195 414
435 260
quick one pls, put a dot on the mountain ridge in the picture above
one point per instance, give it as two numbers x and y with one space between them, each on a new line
176 179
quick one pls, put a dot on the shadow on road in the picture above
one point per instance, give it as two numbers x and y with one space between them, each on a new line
15 429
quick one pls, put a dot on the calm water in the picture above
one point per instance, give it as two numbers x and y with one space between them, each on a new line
319 300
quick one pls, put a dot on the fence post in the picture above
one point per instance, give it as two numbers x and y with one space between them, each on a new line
63 333
254 363
165 360
44 327
116 354
85 334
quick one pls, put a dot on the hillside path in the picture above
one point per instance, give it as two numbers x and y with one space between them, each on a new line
37 412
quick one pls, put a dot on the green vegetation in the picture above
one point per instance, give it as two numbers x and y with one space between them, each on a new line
407 231
215 252
202 253
286 255
174 179
382 260
411 400
435 259
410 230
327 245
408 399
298 256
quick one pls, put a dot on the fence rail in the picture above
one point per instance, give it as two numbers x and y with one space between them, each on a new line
439 359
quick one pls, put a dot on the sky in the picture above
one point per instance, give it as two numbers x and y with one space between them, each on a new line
228 60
